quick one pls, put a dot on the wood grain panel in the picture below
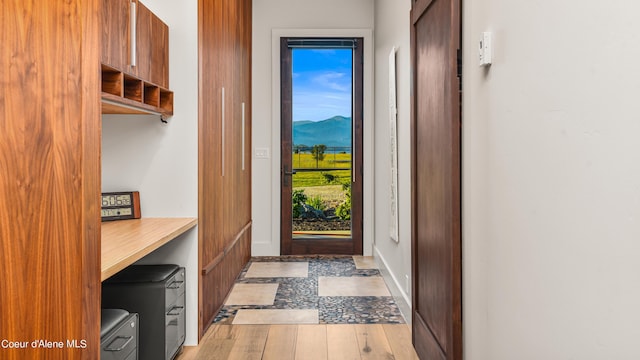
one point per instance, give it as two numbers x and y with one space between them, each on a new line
372 341
159 44
358 119
281 342
119 105
91 124
209 127
152 48
311 342
224 187
115 34
342 342
50 175
436 225
286 148
250 342
219 280
112 81
399 336
246 195
425 342
127 241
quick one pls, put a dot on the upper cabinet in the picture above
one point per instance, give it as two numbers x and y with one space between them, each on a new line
116 34
135 60
152 48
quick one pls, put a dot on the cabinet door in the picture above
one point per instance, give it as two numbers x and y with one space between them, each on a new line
243 56
152 48
236 59
116 32
225 188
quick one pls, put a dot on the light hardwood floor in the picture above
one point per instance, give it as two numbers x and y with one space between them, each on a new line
304 342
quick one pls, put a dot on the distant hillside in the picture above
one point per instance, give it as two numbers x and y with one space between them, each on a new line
335 131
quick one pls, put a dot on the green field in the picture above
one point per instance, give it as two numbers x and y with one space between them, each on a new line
306 161
309 179
315 184
316 178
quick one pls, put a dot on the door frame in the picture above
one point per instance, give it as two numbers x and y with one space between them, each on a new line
267 242
289 245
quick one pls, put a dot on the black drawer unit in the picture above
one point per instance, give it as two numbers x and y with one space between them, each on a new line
118 335
156 293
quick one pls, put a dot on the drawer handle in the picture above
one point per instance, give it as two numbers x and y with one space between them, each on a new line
109 348
179 308
175 284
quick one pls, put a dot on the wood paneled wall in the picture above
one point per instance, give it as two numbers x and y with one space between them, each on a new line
224 184
50 176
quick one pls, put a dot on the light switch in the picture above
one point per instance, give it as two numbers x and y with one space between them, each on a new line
485 50
262 153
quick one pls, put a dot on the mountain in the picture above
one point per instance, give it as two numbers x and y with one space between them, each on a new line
335 131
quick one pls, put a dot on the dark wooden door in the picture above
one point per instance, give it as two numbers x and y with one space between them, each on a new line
436 255
320 245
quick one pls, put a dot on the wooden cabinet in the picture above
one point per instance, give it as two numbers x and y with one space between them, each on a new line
135 60
116 34
224 149
152 48
50 182
50 143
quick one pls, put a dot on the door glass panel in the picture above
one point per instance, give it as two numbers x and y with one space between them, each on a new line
322 82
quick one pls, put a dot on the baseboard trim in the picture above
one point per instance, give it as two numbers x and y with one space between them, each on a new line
401 298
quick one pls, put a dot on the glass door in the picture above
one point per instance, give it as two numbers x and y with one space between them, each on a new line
321 146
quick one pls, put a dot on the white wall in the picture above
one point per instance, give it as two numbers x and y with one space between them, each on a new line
294 16
551 174
161 160
392 29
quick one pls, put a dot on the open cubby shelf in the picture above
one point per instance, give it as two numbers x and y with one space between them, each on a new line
123 93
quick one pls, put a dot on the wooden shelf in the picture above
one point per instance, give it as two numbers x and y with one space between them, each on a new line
124 93
127 241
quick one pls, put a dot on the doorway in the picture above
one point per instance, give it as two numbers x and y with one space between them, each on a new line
321 145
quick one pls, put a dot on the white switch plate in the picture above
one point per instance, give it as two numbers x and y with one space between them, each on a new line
262 153
486 49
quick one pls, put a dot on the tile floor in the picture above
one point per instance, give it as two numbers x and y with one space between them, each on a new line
310 290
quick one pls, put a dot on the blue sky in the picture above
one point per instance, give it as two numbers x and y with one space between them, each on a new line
321 83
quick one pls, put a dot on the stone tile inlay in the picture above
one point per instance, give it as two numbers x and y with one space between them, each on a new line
301 293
